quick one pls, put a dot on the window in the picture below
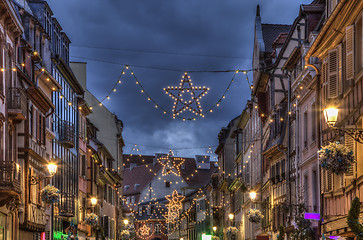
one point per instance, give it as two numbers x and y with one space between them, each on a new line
167 184
126 187
128 201
31 120
140 211
83 165
148 210
133 200
306 191
305 126
315 190
313 122
158 228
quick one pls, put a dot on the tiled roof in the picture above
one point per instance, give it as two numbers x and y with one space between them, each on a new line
137 159
270 32
201 177
139 175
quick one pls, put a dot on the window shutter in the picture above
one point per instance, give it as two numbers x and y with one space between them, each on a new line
340 75
349 37
324 180
362 43
333 76
350 144
324 83
329 181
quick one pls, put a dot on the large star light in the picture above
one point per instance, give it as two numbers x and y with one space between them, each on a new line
174 206
145 230
170 164
185 97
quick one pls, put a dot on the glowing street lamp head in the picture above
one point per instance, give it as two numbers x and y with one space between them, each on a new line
93 201
231 216
214 228
52 169
126 222
331 115
253 195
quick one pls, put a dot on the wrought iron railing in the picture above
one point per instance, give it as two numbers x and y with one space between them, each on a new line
66 205
10 176
17 101
67 133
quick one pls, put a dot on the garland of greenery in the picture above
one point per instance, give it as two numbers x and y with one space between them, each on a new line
353 219
281 235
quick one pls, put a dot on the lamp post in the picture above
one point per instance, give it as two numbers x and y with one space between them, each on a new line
331 118
52 169
231 217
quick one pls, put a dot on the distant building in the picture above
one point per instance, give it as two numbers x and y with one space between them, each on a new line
148 180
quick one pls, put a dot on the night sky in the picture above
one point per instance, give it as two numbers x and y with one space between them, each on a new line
160 39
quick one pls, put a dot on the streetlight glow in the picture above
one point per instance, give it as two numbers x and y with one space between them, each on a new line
52 169
214 228
126 222
253 195
331 115
231 216
93 201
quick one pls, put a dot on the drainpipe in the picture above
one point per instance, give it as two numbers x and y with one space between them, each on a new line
318 116
37 79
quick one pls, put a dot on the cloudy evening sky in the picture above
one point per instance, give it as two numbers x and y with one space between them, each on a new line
160 39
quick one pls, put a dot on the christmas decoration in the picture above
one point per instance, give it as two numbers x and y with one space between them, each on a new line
336 158
170 164
50 194
281 235
232 231
353 219
182 102
91 219
125 234
254 215
174 206
303 230
144 230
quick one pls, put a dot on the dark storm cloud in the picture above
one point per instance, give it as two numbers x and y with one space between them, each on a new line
199 27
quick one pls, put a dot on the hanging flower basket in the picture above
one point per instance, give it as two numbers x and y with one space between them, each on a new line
336 158
232 231
50 194
125 234
254 215
91 219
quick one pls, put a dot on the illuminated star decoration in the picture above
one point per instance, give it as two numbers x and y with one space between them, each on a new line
174 206
144 230
170 164
182 104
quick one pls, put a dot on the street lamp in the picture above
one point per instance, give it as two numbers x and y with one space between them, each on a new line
126 222
253 195
231 216
52 169
331 118
93 201
214 228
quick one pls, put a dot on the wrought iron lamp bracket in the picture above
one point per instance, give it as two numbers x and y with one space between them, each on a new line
355 133
35 180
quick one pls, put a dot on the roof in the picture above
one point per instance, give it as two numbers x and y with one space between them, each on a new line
200 178
137 159
270 32
139 175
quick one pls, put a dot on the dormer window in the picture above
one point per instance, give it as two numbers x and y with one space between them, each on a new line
126 187
136 186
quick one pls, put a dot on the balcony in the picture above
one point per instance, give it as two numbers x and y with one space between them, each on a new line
9 178
67 134
66 205
17 104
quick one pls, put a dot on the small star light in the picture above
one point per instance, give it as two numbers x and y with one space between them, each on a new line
144 230
185 97
174 205
170 164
